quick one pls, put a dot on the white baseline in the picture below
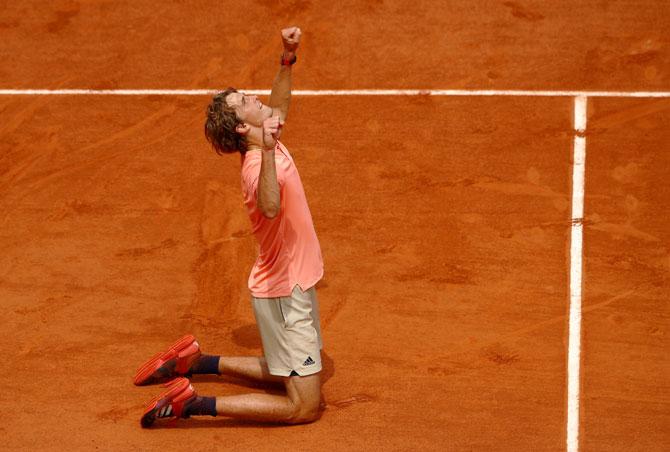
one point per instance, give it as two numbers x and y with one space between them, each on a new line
353 92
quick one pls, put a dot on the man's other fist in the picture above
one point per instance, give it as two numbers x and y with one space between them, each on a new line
291 38
271 131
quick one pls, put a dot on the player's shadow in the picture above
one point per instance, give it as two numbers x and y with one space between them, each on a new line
218 422
208 422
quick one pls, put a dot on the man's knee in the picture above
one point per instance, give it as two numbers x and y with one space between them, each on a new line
304 412
305 396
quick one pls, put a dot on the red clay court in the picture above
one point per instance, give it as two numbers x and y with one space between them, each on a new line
457 290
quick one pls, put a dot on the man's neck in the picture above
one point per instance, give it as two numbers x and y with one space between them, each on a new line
251 147
255 140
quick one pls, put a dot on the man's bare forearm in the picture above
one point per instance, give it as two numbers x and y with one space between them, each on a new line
268 187
280 97
269 201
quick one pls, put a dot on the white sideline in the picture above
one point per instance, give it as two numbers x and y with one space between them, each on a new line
575 319
353 92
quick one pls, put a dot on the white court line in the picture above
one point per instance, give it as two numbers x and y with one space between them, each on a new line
575 322
354 92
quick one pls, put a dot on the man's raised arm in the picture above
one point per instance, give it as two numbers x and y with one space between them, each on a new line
280 97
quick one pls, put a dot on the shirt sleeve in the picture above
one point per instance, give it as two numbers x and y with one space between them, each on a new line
251 176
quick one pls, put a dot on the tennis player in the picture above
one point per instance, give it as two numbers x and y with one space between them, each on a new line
281 282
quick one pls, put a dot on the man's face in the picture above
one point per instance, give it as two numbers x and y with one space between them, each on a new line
249 109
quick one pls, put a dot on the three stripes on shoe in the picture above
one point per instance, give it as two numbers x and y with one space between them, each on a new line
166 411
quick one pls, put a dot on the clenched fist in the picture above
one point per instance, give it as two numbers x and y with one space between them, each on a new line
291 38
271 131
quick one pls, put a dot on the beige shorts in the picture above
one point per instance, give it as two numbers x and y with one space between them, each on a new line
290 332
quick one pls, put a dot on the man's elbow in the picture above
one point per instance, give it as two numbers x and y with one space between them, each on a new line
269 204
270 212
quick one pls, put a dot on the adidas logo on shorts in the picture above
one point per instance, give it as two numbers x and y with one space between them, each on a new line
309 361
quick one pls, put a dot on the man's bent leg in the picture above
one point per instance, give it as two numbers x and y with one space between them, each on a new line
248 367
305 392
300 405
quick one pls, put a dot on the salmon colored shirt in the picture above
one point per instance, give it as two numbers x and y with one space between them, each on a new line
289 251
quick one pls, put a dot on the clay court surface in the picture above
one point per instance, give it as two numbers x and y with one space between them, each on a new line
444 221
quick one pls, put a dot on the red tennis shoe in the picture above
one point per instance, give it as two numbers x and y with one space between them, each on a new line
175 361
170 404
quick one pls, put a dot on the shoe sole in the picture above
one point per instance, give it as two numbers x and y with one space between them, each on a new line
186 349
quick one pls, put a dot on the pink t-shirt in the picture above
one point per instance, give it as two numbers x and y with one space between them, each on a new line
289 251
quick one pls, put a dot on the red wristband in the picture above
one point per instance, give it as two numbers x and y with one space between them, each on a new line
288 62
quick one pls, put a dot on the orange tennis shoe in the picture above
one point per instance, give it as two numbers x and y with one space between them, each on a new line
170 404
175 361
